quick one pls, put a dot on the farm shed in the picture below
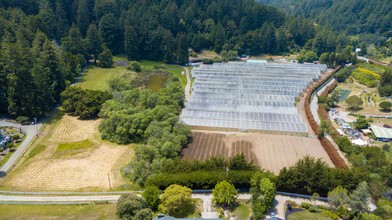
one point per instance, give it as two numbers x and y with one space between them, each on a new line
382 134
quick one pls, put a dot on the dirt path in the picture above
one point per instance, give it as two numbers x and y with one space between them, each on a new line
188 84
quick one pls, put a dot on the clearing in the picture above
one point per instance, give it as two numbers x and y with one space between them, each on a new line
306 215
70 156
97 78
270 152
370 97
107 211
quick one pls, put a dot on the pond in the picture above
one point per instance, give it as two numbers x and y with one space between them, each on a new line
156 81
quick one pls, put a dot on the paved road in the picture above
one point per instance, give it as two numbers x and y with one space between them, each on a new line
278 207
57 199
314 102
31 132
188 84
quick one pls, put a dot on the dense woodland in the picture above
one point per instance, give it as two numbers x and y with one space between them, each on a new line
368 23
48 42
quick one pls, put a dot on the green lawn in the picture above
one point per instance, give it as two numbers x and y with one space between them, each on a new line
107 211
306 215
387 60
242 211
149 65
97 78
72 148
177 71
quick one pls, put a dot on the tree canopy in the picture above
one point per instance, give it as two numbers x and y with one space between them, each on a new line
224 194
177 201
132 207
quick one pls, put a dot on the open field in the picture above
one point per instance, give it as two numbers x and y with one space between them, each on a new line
369 108
96 78
271 152
306 215
69 155
107 211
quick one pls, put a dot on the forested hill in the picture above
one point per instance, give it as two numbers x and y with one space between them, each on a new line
350 16
45 43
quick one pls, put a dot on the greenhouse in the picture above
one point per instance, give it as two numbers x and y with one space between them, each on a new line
249 96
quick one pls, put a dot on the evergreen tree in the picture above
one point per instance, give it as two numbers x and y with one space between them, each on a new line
93 41
131 43
109 29
73 42
105 58
359 198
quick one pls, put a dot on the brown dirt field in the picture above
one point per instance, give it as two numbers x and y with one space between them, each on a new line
271 152
90 169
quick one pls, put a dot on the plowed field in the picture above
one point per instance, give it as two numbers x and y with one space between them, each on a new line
97 167
271 152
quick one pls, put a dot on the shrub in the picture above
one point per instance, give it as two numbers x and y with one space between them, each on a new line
386 147
329 214
385 106
23 120
322 99
306 205
208 61
129 205
313 209
366 77
361 123
329 148
135 66
201 179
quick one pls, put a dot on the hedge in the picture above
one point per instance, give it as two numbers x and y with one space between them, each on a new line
202 179
333 154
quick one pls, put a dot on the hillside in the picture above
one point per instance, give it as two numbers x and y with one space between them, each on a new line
51 40
371 20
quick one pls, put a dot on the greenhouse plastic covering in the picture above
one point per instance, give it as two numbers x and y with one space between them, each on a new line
249 96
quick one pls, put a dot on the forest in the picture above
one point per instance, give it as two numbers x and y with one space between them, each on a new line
367 23
48 42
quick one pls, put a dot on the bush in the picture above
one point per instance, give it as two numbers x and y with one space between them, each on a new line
361 123
151 195
329 214
83 103
135 66
208 61
322 99
313 209
385 106
23 120
306 205
201 179
129 205
386 147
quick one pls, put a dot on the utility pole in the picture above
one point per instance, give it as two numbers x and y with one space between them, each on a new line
110 184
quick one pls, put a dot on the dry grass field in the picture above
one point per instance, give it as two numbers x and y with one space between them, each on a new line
271 152
71 157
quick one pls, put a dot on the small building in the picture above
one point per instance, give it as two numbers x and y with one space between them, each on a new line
382 134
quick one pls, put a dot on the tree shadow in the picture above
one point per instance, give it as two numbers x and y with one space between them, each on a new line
386 110
355 109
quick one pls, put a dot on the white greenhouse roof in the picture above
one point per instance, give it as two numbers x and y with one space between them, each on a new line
249 96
